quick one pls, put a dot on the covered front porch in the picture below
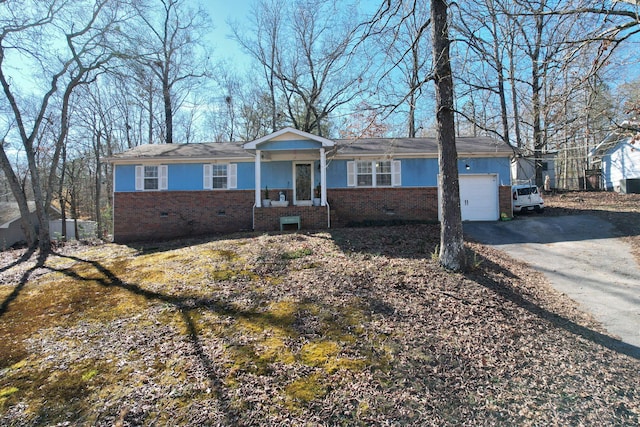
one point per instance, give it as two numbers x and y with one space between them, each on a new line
290 180
290 166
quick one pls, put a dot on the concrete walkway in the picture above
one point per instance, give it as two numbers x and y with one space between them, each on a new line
582 258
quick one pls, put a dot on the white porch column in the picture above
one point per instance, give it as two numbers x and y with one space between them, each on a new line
257 180
323 178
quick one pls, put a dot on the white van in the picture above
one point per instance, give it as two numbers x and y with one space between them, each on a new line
526 197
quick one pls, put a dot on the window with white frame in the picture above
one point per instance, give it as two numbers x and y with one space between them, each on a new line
373 173
220 176
383 173
151 177
364 174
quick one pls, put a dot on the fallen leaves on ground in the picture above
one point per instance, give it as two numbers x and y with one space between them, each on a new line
342 327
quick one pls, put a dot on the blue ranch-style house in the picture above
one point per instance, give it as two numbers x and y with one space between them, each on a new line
174 190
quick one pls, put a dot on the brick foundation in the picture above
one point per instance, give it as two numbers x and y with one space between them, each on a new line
168 214
505 201
358 205
311 217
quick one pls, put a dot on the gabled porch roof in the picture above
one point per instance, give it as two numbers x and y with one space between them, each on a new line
289 139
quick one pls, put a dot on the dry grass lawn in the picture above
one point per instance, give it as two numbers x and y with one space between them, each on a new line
340 327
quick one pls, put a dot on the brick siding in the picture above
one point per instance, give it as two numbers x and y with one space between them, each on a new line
169 214
357 205
505 201
311 217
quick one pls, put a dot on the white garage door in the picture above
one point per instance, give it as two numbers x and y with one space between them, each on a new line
479 198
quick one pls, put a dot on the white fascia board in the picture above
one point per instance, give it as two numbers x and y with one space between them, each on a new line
305 135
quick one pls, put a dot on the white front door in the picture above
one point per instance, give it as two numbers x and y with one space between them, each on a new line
302 183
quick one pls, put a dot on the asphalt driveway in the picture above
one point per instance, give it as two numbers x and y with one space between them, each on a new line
581 257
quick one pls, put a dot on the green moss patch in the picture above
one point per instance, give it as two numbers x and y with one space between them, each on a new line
318 353
305 389
298 253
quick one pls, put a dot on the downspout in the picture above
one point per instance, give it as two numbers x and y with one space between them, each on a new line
257 201
113 204
258 184
328 216
323 178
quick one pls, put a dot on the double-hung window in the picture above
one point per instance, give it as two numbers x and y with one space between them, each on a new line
383 173
219 176
364 174
373 173
151 177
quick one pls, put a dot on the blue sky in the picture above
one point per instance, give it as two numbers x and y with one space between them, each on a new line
220 12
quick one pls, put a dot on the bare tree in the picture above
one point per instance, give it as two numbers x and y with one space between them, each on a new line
543 56
87 36
174 52
408 63
265 46
486 33
452 255
310 61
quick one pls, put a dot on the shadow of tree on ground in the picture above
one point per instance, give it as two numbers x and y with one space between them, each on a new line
558 321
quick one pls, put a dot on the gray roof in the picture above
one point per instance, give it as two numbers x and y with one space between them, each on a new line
360 147
184 151
627 131
610 142
421 146
9 211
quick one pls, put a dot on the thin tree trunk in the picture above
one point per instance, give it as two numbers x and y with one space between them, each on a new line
415 83
150 105
168 110
98 185
514 96
501 90
452 255
536 101
18 194
63 204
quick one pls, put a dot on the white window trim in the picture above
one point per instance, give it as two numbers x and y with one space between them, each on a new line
163 178
232 176
396 174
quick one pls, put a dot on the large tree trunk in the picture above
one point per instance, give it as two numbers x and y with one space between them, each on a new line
452 255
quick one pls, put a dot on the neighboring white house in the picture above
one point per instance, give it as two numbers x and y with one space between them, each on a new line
618 156
11 228
523 169
86 229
